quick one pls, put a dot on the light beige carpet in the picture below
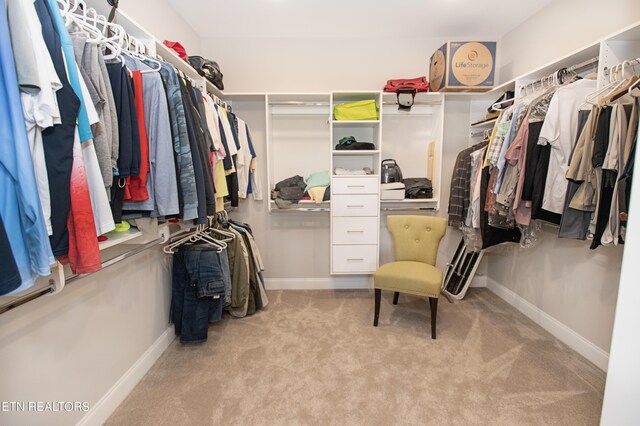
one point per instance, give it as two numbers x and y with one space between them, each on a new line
314 358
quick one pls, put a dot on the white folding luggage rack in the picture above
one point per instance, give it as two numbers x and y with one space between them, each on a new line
460 272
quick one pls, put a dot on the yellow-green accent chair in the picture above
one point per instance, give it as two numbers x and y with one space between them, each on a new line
416 240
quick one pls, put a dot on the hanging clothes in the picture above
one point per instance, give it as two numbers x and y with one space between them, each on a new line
188 195
575 223
460 195
559 131
161 185
94 132
84 254
198 291
20 209
39 83
136 186
195 155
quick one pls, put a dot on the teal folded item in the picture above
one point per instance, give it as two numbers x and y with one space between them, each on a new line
317 179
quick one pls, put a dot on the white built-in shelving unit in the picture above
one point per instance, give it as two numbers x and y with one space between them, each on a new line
414 138
355 200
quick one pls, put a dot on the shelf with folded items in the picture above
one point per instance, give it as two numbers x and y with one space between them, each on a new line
298 128
357 162
354 176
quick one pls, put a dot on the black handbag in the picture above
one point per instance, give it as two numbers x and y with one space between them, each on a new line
418 188
208 69
349 143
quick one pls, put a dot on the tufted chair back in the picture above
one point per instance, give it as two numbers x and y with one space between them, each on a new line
416 238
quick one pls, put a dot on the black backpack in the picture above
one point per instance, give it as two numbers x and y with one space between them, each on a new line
208 69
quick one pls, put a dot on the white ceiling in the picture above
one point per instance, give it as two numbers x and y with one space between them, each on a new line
355 18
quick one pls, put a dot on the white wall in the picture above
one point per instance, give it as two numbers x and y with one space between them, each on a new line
559 29
623 378
318 64
159 18
74 346
575 285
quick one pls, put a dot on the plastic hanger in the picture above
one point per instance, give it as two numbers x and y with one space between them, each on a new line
621 88
229 236
634 89
591 99
79 22
198 235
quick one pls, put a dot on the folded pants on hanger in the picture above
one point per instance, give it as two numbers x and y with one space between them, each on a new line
198 291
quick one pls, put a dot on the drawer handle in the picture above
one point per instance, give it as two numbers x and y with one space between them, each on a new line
355 206
355 186
355 232
356 260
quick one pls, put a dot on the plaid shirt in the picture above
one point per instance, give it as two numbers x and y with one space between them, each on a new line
497 137
460 195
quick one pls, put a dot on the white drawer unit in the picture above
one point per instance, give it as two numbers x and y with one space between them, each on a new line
355 205
355 185
355 199
355 230
354 259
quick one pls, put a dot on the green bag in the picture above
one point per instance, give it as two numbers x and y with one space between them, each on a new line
360 110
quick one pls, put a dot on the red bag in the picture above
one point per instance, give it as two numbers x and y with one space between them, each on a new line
420 84
177 47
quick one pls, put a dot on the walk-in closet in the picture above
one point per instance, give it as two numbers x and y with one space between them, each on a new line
310 213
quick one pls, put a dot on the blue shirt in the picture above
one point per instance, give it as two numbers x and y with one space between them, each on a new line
84 128
510 136
19 201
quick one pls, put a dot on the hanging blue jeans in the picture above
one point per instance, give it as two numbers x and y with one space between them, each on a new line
198 291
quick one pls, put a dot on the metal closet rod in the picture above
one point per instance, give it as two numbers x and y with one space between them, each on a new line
573 68
28 297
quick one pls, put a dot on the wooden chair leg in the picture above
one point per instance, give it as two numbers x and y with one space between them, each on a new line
376 312
396 295
433 304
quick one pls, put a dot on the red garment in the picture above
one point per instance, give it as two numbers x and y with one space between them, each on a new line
137 185
177 47
84 252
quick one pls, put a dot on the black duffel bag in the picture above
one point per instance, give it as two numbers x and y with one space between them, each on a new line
418 188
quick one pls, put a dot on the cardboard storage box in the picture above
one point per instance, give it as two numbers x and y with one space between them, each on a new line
463 66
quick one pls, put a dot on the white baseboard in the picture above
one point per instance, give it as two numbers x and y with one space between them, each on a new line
101 411
479 281
568 336
333 283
